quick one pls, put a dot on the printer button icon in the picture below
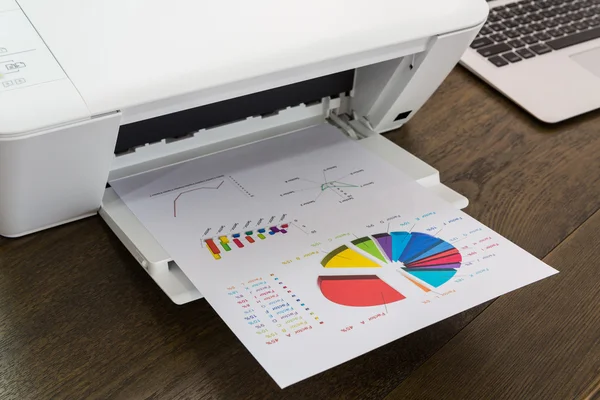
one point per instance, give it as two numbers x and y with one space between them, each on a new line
16 65
7 83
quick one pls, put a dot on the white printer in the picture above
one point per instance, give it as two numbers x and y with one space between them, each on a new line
91 91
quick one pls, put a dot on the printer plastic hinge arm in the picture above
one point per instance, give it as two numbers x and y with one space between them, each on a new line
343 123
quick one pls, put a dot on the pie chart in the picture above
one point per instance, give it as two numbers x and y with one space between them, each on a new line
426 261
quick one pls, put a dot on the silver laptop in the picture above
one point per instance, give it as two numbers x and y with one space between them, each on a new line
542 54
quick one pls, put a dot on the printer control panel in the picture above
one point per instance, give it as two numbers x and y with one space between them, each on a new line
24 58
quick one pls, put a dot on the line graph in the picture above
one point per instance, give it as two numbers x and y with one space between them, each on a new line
193 190
342 185
335 184
229 190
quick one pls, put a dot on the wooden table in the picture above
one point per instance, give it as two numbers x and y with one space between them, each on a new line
80 319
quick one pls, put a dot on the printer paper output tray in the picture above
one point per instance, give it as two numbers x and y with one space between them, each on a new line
171 279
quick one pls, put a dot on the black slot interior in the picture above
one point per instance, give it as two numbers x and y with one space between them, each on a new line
402 115
183 123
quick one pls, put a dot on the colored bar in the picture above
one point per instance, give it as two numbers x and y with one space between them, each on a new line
271 233
261 236
283 231
238 243
225 246
214 250
261 231
236 235
212 246
224 239
274 229
248 238
285 226
249 233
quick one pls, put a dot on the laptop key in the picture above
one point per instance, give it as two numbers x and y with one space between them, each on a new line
555 32
576 16
524 30
594 22
493 50
548 13
516 43
543 36
540 48
512 34
512 57
568 29
498 27
580 26
526 53
498 61
493 17
561 10
588 13
532 7
481 42
509 23
536 17
529 39
522 20
537 27
549 23
485 31
498 37
562 20
571 40
544 4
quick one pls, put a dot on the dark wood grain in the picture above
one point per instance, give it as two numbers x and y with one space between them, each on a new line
538 343
79 318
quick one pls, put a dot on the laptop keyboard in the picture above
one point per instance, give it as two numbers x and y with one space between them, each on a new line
531 28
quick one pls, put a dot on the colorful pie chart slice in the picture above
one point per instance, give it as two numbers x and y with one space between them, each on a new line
437 256
399 242
358 290
439 249
435 278
344 257
418 244
450 259
367 245
385 243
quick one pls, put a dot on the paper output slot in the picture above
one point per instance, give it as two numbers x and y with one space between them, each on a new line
264 103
